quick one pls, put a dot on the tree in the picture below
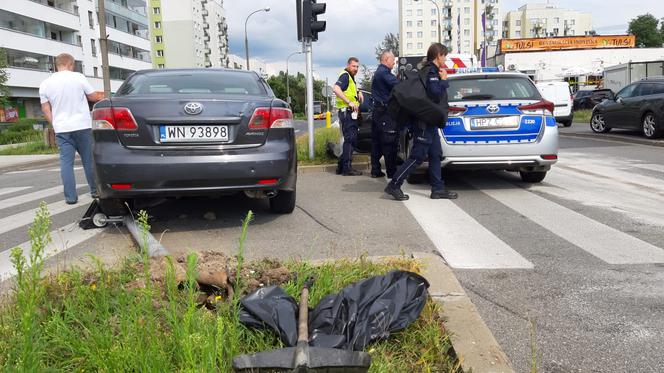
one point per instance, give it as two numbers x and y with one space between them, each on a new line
297 87
367 73
661 28
4 77
391 43
644 27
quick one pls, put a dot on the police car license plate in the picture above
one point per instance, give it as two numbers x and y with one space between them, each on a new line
494 122
193 133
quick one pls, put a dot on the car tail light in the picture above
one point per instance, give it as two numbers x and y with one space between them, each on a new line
276 117
117 118
538 107
550 157
456 111
121 186
268 181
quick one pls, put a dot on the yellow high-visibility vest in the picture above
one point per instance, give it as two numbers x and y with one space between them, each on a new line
350 92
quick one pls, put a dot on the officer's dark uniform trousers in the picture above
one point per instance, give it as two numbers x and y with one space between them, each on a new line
426 143
349 129
384 141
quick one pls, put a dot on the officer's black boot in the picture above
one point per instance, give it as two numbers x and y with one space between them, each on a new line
396 192
443 194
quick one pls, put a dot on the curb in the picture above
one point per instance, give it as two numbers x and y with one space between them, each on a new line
472 340
360 166
31 163
613 138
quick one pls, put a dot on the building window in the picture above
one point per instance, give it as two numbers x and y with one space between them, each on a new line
556 20
157 24
571 32
466 21
161 66
518 22
433 12
409 13
419 45
409 45
466 10
555 31
517 33
91 20
79 41
160 53
434 22
95 71
409 35
419 35
409 23
158 39
94 47
156 10
434 34
419 23
466 32
419 12
572 22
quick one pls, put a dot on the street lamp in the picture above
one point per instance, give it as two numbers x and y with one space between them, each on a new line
246 41
439 27
288 99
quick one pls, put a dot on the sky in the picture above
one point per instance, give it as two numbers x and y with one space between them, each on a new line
356 27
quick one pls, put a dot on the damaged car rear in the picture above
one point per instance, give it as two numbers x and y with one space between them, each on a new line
194 132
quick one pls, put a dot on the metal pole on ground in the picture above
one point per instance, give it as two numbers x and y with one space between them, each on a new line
103 48
310 96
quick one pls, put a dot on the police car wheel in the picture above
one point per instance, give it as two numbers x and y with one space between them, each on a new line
532 176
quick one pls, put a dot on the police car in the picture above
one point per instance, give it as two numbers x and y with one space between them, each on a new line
497 120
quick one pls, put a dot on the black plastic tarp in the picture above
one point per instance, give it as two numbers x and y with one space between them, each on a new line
364 312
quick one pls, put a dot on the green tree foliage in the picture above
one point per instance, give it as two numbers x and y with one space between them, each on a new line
644 27
297 86
4 77
391 42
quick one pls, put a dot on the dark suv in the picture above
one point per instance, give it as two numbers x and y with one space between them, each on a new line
588 99
638 106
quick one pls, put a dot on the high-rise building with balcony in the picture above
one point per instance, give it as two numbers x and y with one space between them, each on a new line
464 26
545 20
33 32
188 33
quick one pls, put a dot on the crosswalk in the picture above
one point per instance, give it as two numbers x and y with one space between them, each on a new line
466 243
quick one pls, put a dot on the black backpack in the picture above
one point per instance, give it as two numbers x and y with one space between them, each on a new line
409 99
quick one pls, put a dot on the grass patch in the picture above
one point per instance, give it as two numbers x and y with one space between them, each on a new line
321 137
35 147
582 116
101 321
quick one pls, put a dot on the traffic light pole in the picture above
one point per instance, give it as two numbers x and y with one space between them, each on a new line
310 95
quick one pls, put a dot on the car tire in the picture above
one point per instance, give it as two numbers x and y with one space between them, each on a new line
532 176
113 206
567 123
283 202
650 127
597 123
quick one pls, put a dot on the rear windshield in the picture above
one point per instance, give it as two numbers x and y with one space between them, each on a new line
198 82
492 88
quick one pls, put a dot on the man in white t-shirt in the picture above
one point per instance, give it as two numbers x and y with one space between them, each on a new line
64 99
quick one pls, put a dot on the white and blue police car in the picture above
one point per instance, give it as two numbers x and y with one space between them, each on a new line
499 121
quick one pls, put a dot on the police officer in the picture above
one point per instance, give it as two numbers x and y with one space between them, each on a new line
384 132
426 140
348 103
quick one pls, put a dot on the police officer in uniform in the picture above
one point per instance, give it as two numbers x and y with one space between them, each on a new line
426 140
348 103
384 132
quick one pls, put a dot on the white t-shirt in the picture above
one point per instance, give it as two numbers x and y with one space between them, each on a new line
66 91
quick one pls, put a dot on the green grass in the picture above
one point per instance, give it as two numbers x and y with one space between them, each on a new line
321 138
98 321
582 116
20 132
35 147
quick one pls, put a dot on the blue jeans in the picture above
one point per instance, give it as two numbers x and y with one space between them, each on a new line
349 128
426 142
69 143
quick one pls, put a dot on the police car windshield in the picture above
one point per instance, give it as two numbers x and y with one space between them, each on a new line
492 88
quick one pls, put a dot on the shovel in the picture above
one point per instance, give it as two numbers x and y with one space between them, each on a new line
303 358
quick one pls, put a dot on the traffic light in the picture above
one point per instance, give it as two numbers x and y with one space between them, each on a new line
308 25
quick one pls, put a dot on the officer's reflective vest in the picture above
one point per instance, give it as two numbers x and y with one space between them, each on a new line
350 92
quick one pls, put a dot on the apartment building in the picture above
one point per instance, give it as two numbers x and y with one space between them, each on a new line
188 33
464 26
545 20
33 32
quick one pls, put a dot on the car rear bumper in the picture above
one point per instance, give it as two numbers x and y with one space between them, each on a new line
565 118
160 173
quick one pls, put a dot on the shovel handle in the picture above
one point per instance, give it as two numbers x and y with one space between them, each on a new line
303 319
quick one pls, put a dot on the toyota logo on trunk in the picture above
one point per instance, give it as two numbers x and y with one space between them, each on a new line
493 108
193 108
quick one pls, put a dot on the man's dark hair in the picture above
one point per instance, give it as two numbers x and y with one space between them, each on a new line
352 59
435 50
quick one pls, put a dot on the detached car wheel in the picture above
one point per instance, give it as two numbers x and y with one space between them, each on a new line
112 206
649 126
283 202
597 123
532 176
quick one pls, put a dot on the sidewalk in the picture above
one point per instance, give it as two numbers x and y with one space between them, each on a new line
12 162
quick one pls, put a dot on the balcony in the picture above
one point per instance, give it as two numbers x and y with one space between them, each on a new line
65 6
132 15
37 10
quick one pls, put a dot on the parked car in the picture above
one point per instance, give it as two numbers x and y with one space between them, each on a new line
638 106
188 132
498 121
588 99
560 94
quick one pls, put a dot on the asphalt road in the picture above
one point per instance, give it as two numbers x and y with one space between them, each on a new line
568 273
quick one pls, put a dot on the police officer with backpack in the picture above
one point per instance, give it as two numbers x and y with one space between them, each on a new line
426 140
384 131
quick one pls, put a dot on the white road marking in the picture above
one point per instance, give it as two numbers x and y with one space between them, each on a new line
10 202
12 190
462 240
649 166
26 217
62 239
600 240
58 169
23 171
